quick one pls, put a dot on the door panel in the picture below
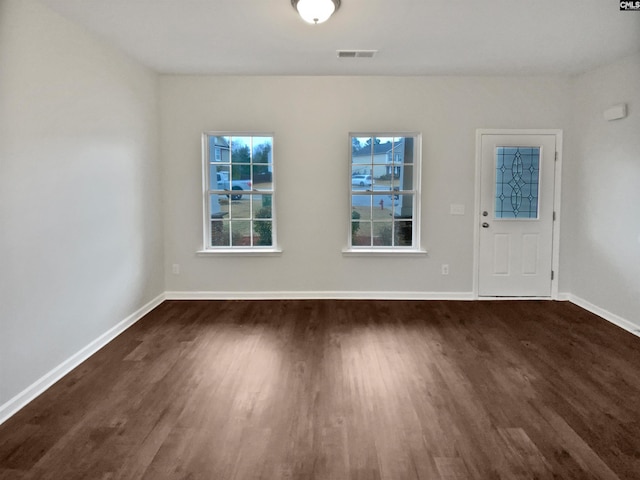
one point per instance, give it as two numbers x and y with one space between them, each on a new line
501 254
530 253
516 220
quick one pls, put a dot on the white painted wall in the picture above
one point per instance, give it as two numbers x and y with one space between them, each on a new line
80 218
311 118
601 223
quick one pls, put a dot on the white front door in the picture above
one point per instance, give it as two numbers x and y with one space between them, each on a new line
516 218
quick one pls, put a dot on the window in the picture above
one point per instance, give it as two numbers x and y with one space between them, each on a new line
384 192
238 193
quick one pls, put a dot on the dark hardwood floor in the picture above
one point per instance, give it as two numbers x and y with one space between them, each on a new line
436 390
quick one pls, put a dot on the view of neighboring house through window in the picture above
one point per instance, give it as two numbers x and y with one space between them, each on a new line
238 178
384 191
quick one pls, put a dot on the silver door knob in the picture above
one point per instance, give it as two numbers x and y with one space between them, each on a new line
485 225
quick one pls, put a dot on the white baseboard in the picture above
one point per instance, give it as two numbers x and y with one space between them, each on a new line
319 295
623 323
18 402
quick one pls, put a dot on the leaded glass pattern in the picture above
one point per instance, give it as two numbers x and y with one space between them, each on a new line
517 182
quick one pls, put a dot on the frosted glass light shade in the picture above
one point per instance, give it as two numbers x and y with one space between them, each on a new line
316 11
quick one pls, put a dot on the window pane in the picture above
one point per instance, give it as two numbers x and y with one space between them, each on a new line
262 206
402 177
240 233
241 150
360 234
218 149
380 149
262 148
241 207
361 147
381 154
403 207
219 233
262 232
214 179
361 205
382 207
409 151
219 177
383 234
241 172
403 233
400 154
262 177
517 182
225 202
218 206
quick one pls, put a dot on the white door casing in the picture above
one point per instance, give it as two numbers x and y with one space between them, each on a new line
515 213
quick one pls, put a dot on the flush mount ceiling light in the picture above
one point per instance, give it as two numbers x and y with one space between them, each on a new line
315 11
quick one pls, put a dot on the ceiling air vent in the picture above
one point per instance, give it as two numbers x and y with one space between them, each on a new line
356 53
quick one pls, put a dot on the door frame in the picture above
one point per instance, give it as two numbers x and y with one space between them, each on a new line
555 247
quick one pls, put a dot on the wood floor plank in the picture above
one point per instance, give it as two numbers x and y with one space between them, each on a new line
350 389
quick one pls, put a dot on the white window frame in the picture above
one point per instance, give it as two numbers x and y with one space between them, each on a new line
207 248
415 247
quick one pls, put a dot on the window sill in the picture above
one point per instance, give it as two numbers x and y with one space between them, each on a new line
241 252
381 252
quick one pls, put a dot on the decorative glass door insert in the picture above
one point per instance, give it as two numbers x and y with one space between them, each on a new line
517 182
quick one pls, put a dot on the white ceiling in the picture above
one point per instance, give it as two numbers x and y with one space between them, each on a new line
414 37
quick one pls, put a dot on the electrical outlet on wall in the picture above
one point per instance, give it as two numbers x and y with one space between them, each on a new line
175 269
445 269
